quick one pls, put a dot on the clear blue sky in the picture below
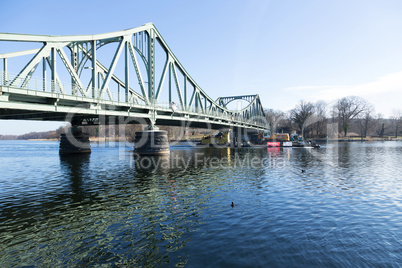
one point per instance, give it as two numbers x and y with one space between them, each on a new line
284 51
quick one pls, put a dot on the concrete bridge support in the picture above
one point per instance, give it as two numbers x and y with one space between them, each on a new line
151 141
74 142
237 137
241 137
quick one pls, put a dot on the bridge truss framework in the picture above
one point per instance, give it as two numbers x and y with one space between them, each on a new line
131 93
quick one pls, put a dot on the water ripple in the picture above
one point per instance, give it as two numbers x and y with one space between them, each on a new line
107 209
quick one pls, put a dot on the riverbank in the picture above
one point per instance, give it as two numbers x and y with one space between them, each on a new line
197 138
352 139
100 140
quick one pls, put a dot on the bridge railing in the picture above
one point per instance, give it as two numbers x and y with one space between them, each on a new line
36 84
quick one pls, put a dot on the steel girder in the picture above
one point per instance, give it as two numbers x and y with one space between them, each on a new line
97 85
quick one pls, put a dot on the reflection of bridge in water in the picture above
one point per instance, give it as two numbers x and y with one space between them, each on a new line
142 82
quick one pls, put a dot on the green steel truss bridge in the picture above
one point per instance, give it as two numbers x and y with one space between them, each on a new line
124 76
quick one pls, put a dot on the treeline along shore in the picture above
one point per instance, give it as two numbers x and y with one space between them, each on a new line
111 133
348 119
46 135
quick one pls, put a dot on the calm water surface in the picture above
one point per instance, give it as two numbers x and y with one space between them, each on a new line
114 209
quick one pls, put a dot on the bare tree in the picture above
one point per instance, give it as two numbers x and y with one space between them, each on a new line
396 120
321 117
274 117
380 125
62 129
366 120
302 115
347 109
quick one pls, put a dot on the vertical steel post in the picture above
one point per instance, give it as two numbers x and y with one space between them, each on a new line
170 83
5 71
185 93
127 65
53 67
99 83
44 73
196 101
74 63
118 92
94 84
151 65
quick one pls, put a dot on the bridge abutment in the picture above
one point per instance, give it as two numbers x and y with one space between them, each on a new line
241 137
74 142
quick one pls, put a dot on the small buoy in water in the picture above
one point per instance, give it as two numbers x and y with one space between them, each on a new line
303 171
232 204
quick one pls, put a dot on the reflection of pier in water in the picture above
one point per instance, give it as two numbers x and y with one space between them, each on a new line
182 161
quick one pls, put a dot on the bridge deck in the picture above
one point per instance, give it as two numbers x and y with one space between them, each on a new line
25 104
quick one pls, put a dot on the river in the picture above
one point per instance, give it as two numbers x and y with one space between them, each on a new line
337 206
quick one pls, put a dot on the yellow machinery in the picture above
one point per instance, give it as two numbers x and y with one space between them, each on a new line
280 137
222 138
267 136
